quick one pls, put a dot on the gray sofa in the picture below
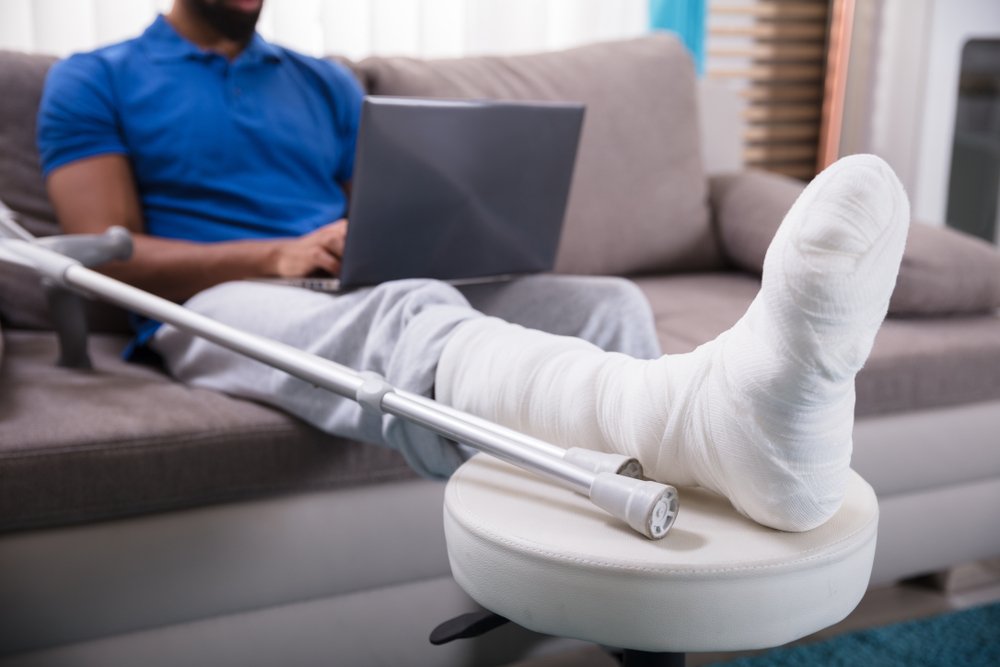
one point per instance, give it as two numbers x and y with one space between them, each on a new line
142 522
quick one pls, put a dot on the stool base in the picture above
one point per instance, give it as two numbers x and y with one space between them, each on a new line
644 659
479 623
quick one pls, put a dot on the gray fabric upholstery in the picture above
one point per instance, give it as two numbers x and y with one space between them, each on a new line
639 196
944 271
23 305
22 302
124 440
915 364
695 308
80 446
931 363
747 207
21 188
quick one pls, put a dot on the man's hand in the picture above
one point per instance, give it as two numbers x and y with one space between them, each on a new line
94 193
318 251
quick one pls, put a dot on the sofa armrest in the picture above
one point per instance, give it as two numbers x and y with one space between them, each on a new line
747 208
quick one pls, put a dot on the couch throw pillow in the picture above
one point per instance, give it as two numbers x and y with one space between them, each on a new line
944 271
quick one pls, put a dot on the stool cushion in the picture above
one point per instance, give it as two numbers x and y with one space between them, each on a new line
547 559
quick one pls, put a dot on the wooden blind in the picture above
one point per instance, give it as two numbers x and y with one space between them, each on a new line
775 53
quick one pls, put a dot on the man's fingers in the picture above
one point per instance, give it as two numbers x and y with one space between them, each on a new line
326 261
335 244
332 238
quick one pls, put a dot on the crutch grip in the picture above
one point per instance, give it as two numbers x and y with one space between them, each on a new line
648 507
92 249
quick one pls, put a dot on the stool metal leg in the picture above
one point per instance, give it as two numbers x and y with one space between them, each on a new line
479 623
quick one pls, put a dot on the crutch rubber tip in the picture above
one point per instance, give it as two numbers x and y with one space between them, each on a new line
648 507
598 462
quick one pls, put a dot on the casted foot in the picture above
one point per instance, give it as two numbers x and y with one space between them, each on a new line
764 413
770 427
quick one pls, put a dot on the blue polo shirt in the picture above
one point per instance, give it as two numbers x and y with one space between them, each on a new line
255 147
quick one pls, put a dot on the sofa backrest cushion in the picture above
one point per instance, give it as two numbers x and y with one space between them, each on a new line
639 195
21 188
22 301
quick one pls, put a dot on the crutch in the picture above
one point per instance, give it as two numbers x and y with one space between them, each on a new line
612 482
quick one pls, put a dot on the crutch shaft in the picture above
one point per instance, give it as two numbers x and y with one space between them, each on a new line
588 459
320 372
343 381
324 373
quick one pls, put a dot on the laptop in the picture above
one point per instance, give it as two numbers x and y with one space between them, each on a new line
462 191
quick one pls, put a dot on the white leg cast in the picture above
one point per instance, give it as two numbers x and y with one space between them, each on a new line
764 413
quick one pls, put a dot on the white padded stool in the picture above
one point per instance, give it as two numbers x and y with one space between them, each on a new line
549 560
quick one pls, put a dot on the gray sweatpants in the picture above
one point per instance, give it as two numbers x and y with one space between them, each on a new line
397 330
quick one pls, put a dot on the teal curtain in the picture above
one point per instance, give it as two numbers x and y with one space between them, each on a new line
687 19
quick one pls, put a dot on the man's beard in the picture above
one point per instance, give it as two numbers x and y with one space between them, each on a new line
231 23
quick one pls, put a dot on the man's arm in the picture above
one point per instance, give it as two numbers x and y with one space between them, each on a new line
95 193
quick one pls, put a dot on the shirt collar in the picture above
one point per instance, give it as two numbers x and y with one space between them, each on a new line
260 50
164 44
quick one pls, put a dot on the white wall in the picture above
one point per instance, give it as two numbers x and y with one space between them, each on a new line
355 28
911 69
897 97
952 23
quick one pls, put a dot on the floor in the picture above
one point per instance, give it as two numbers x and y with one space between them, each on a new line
962 588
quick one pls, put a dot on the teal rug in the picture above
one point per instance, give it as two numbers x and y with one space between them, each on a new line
969 638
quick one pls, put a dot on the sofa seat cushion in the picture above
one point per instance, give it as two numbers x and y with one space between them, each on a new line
916 363
77 446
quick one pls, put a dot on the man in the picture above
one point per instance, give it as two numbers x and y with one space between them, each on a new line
230 158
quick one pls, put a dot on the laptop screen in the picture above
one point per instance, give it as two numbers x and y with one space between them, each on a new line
453 189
